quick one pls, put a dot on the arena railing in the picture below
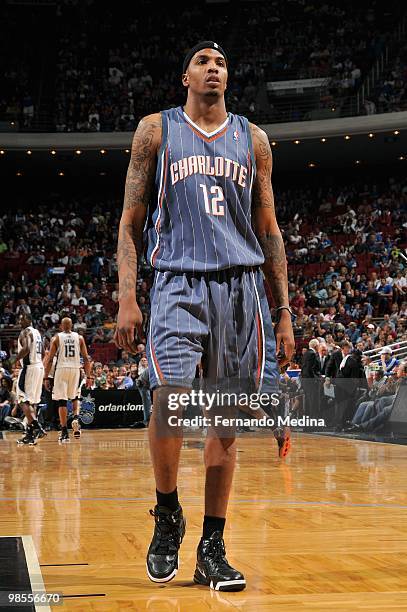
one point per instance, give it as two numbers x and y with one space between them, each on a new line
399 350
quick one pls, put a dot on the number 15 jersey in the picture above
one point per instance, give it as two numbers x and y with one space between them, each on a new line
200 218
69 351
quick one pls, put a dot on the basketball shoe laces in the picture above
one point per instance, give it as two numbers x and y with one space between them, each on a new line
214 548
167 532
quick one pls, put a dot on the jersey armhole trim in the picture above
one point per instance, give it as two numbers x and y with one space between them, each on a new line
250 141
164 134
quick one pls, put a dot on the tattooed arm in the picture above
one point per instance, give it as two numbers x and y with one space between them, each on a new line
270 239
138 188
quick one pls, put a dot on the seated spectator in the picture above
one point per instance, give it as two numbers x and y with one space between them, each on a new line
7 399
372 415
123 380
80 325
99 376
389 363
126 359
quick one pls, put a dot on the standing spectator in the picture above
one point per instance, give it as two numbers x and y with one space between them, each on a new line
347 382
323 357
310 375
143 384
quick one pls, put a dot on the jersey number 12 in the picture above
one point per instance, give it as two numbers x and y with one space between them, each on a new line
212 206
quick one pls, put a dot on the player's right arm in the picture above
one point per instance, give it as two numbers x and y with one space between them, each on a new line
139 185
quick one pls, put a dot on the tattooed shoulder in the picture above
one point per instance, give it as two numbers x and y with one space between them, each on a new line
261 143
146 138
142 165
262 195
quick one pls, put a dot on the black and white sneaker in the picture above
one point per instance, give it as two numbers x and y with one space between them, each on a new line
162 556
64 437
212 567
76 428
38 432
28 440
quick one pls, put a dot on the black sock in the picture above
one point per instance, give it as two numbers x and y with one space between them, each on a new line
34 423
169 500
212 524
64 428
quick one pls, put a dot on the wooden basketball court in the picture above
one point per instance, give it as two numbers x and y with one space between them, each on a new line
325 529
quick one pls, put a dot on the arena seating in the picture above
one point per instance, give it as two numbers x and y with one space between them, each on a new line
363 234
109 75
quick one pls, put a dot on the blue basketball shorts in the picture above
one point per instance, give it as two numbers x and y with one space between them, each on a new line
220 320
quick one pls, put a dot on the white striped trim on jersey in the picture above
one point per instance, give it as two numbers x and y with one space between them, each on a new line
207 134
157 222
160 198
263 360
253 173
156 372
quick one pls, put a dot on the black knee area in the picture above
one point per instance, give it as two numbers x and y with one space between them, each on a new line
62 403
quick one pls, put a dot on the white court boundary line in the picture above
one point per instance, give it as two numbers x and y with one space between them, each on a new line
34 570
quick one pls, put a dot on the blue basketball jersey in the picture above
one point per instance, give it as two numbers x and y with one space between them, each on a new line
200 219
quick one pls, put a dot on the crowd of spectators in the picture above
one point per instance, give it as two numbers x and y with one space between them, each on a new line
111 75
344 248
331 40
17 65
390 93
110 72
347 272
336 43
349 390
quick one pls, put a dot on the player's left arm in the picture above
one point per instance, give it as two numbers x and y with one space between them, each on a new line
48 361
269 236
25 346
85 356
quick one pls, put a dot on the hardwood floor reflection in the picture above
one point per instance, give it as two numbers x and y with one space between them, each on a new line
325 529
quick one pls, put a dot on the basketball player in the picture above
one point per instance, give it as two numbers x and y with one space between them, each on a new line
29 384
207 175
68 347
76 403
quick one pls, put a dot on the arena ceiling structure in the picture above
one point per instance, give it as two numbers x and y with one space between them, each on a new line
325 144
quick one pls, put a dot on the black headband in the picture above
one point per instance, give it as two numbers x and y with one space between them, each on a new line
206 44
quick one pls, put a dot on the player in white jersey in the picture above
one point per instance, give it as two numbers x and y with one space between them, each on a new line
29 384
76 404
68 347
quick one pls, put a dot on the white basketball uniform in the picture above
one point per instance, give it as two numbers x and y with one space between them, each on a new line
31 376
67 369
